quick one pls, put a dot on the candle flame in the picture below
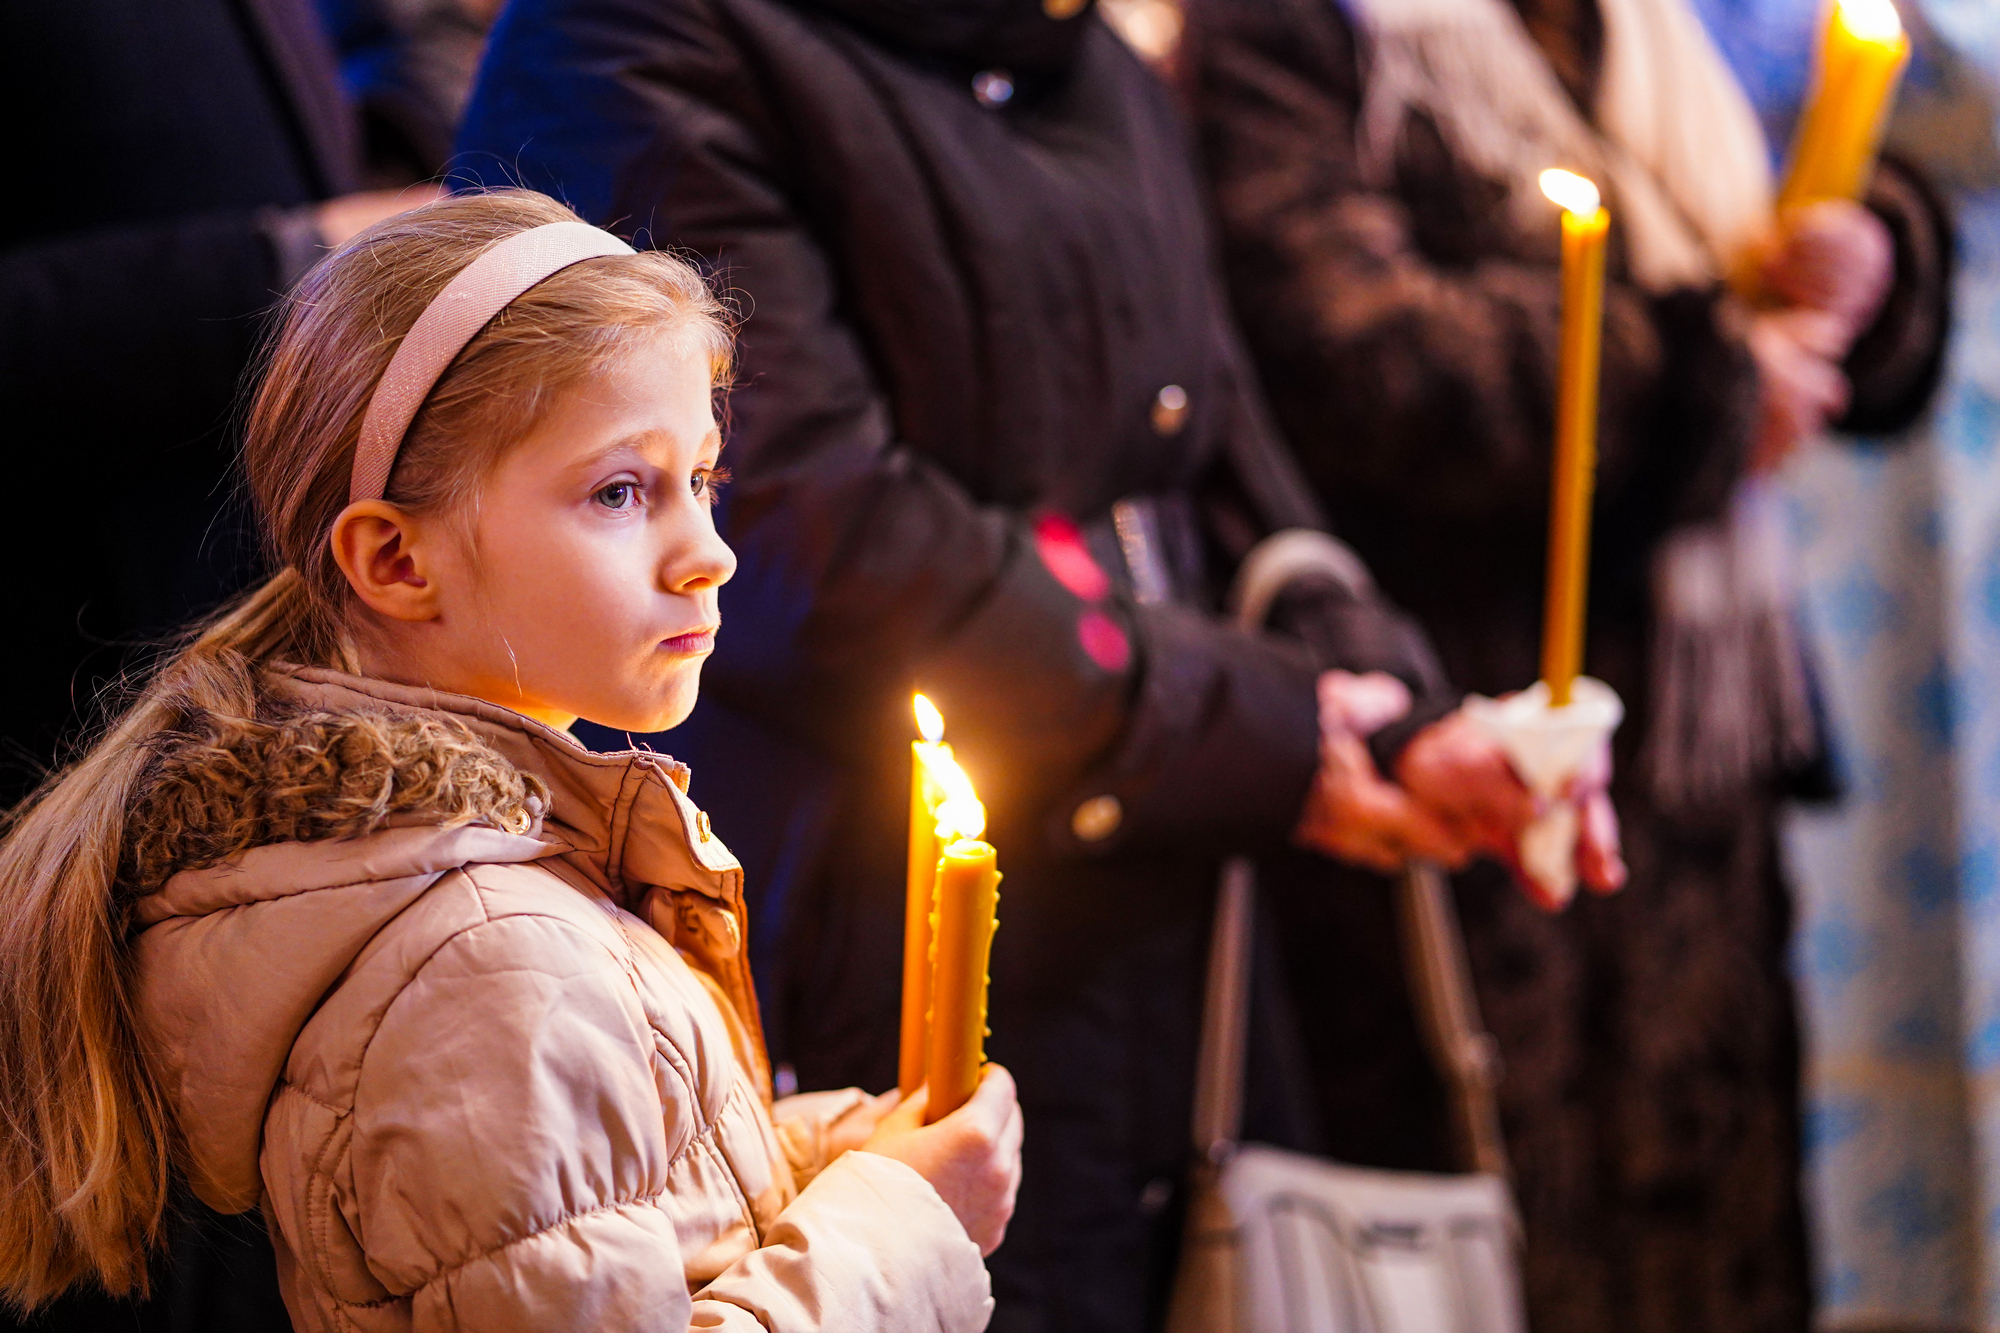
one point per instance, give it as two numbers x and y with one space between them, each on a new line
958 812
930 722
1574 193
959 819
1871 20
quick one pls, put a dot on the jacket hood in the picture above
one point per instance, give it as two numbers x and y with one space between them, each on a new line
1019 35
313 825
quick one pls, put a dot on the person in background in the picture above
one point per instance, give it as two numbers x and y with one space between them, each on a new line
993 440
182 164
408 66
187 162
1373 168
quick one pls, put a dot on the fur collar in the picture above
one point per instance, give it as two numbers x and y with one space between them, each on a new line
219 786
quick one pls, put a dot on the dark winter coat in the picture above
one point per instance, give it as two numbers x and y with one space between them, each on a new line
972 256
1407 341
154 147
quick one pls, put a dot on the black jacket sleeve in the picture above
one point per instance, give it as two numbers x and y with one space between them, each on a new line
1895 364
865 568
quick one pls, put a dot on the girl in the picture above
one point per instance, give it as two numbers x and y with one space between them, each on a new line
337 921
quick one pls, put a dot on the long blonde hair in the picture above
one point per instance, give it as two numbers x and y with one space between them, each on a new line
87 1141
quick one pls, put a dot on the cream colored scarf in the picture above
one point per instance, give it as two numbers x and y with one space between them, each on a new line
1686 172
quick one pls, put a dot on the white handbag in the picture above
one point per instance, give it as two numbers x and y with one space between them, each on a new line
1282 1242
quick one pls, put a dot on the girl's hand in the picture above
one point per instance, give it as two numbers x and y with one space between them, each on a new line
972 1157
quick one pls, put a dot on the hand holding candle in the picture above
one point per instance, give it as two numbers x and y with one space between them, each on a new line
1553 732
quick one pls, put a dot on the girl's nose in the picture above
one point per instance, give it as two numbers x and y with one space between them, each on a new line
703 562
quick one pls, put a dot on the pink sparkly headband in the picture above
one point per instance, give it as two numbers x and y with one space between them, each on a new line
455 315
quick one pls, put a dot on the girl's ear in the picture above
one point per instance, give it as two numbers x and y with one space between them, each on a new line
388 564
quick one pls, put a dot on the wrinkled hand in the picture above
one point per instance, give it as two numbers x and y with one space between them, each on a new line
1460 772
1456 795
1600 860
341 220
1801 387
1352 812
1457 770
971 1157
1831 268
1835 257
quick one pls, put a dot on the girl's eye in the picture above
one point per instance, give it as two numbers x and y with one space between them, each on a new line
706 481
618 495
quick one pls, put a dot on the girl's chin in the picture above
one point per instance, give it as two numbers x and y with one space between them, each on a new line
659 709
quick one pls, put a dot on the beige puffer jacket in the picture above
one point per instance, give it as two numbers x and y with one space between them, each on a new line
463 1006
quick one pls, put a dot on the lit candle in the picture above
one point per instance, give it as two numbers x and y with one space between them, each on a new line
919 890
1861 57
1585 224
968 884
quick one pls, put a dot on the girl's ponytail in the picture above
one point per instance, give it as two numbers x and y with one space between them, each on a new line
86 1143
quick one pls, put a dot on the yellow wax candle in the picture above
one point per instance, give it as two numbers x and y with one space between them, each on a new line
968 884
1861 56
919 889
1585 224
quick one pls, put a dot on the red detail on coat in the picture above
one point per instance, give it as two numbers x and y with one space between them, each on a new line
1104 641
1060 544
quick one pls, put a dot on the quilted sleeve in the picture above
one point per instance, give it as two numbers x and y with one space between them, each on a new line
520 1137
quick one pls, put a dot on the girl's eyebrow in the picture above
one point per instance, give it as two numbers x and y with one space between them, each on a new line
636 442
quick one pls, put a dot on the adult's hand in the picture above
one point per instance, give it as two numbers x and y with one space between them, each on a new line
1829 268
1353 812
1600 860
1835 257
1801 387
341 220
971 1157
1458 771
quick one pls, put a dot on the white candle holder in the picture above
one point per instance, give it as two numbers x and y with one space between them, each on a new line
1548 748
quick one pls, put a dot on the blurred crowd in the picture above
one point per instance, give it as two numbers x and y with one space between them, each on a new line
1050 310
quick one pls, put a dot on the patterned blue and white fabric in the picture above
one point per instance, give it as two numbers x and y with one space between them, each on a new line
1897 950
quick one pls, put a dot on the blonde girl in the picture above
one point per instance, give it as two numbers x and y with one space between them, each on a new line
338 922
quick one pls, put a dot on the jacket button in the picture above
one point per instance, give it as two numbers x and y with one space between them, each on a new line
1062 9
1097 818
1170 409
701 825
993 87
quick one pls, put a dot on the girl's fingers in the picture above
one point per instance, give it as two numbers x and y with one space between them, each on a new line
991 1102
909 1112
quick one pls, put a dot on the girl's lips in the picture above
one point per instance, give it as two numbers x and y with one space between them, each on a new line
692 644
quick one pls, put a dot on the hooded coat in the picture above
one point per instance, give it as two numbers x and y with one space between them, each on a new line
464 1008
992 439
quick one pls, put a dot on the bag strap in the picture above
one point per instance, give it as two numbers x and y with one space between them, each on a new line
1448 1013
1225 1016
1441 981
